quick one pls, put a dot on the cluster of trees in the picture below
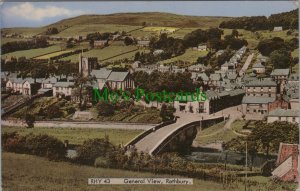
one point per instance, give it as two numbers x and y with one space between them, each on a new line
265 137
213 39
279 51
160 81
24 45
52 30
288 20
171 46
39 69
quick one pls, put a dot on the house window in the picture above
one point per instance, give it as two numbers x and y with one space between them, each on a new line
261 94
254 110
279 118
294 119
269 95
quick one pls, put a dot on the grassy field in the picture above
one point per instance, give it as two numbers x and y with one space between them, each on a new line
189 56
27 31
18 173
48 56
253 39
5 40
108 53
180 33
90 28
78 135
33 52
214 133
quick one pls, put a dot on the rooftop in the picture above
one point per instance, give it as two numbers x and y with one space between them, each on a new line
257 100
117 76
280 72
284 113
261 83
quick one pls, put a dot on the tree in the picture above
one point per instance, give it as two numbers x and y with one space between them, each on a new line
52 30
281 59
267 46
235 33
81 84
166 112
105 109
128 41
30 120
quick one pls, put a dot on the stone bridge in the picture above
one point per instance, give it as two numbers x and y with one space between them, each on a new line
172 136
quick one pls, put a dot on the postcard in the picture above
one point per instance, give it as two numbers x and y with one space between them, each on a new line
150 95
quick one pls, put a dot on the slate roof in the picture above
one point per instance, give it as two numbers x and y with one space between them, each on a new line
63 84
211 95
117 76
103 73
261 83
203 76
284 113
280 72
236 92
232 76
51 80
257 100
258 65
215 77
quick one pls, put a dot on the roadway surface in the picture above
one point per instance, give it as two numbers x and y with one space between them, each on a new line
154 139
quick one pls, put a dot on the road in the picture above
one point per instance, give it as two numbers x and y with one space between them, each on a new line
77 124
246 65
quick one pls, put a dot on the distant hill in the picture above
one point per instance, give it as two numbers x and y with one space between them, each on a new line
137 19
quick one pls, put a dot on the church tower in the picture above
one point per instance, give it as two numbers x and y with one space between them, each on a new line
84 66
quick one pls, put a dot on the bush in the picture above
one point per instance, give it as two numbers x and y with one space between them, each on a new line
40 145
105 109
11 142
29 119
92 149
44 145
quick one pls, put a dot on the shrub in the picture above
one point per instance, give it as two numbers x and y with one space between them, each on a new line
29 119
105 109
44 145
92 149
11 142
40 145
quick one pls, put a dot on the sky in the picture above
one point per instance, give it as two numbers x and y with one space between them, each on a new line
35 14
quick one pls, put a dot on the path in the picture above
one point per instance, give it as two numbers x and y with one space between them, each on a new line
79 124
246 65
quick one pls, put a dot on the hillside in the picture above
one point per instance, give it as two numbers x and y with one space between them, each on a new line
136 19
129 20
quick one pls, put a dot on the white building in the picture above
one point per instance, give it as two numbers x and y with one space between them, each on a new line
63 89
25 86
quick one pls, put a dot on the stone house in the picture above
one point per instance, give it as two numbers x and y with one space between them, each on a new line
100 43
261 88
258 68
281 77
256 107
26 86
63 89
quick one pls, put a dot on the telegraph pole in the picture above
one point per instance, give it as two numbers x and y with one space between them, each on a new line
246 167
